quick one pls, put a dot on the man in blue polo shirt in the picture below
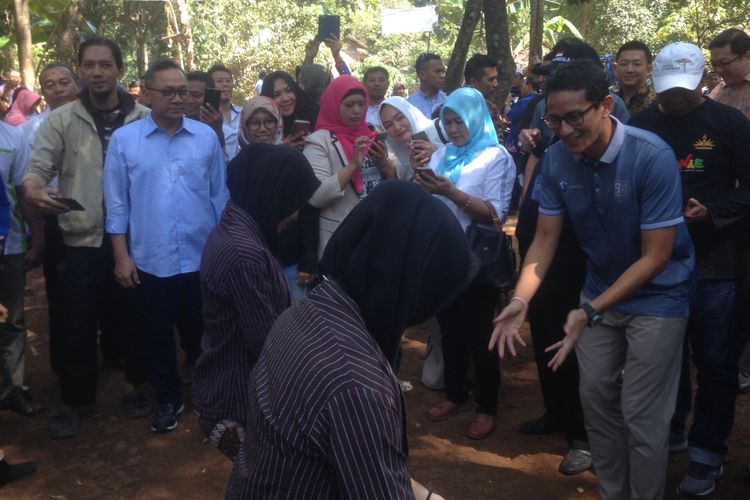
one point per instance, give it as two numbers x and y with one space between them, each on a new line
620 187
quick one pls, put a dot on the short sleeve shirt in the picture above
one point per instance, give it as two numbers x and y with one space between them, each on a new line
634 187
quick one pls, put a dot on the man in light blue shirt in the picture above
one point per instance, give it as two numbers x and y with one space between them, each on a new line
164 190
431 73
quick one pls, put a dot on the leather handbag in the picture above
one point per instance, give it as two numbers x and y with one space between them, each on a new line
494 249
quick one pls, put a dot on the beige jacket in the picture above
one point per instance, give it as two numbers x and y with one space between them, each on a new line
68 146
325 154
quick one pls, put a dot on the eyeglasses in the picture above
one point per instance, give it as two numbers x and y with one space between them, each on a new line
169 92
197 94
574 118
269 124
723 64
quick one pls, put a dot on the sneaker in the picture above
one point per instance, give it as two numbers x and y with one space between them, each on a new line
136 404
700 479
744 382
678 441
166 417
64 423
539 426
575 462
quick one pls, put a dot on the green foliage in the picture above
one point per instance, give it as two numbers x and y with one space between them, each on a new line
614 22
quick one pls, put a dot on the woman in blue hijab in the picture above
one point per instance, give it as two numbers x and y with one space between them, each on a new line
472 172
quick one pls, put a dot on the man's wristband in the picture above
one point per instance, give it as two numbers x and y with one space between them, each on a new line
521 300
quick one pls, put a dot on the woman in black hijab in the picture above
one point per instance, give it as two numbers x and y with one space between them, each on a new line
325 416
294 104
242 283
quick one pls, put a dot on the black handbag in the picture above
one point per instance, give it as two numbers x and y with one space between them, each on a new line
494 250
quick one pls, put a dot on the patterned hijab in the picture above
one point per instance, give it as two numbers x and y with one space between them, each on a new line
330 118
266 104
468 103
314 79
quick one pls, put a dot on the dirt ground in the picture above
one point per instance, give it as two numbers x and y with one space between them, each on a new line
114 457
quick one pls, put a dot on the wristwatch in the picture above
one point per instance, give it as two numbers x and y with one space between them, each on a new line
595 317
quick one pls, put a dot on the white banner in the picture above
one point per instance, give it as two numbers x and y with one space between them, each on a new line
416 20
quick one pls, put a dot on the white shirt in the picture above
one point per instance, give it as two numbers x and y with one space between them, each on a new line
489 176
231 129
373 117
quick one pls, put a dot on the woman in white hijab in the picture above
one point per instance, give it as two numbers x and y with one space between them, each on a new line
401 121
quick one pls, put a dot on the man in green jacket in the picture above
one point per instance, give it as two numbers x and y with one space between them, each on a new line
71 145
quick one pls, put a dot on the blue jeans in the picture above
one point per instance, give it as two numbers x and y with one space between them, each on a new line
712 334
297 292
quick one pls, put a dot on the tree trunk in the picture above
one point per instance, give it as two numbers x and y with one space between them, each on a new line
141 55
23 34
455 73
586 19
498 46
187 34
64 41
536 32
173 33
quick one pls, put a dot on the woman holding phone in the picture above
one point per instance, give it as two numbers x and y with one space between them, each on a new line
474 176
344 155
294 104
412 138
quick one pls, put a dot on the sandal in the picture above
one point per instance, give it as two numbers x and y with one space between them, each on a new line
22 402
444 410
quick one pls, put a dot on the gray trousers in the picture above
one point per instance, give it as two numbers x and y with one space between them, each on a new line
630 369
12 332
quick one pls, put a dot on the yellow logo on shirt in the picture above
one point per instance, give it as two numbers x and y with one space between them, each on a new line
704 143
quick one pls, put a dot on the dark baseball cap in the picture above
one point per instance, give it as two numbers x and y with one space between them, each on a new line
566 50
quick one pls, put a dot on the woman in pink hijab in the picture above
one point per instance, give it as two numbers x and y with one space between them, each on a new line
23 106
342 154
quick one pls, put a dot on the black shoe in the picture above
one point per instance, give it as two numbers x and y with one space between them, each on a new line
166 418
64 423
9 473
539 426
136 404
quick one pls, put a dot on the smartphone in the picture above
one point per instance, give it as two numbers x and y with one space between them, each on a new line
381 137
301 126
327 26
68 202
425 171
213 97
419 136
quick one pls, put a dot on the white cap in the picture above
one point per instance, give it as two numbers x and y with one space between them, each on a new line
680 65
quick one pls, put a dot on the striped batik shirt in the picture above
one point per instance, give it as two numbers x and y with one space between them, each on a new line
324 414
244 291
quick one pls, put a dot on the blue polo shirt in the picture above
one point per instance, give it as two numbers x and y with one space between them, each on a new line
634 187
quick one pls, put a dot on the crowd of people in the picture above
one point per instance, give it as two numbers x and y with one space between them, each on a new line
290 241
